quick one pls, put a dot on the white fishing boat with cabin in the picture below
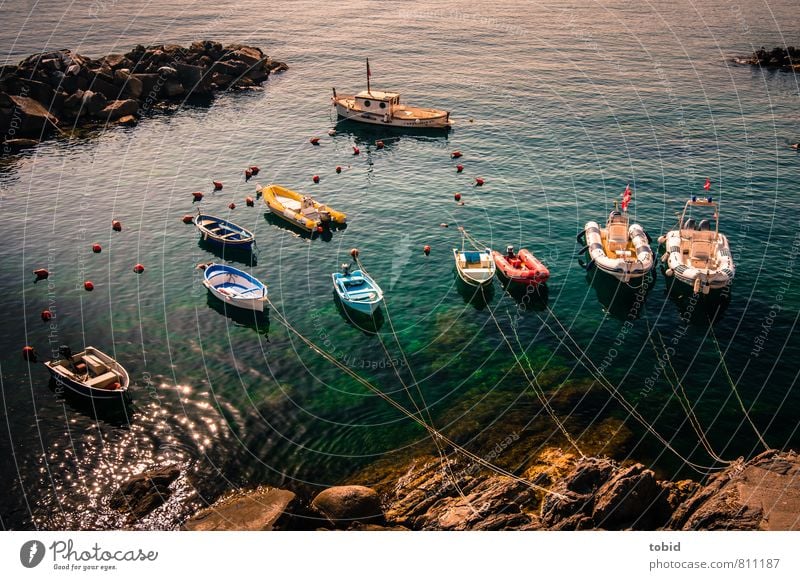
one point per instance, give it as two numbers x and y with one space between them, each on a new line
384 108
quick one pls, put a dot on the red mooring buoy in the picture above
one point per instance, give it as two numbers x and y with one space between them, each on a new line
455 154
314 140
97 248
249 201
187 219
138 268
426 250
116 226
354 253
248 173
315 179
459 168
478 181
457 197
231 205
28 353
338 169
254 169
47 315
198 195
217 185
88 286
41 274
356 150
320 229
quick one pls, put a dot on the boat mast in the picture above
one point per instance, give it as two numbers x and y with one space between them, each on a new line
368 91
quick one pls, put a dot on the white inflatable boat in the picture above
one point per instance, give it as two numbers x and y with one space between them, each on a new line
619 249
697 253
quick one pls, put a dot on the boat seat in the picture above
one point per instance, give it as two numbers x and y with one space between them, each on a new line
102 381
231 234
618 234
95 365
701 252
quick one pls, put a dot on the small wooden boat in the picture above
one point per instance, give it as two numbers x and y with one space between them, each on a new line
475 268
620 249
697 253
90 373
522 267
357 290
299 209
381 108
223 232
234 286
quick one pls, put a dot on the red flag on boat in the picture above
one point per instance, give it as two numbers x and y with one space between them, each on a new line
707 186
626 197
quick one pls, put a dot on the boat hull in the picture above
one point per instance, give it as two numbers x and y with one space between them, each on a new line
61 377
365 298
701 280
386 120
530 272
480 276
223 233
235 287
624 268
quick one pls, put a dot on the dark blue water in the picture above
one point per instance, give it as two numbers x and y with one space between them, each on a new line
558 106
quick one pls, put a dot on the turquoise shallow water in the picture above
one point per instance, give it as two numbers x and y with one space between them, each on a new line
557 105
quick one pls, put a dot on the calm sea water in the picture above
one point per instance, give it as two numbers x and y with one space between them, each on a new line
558 106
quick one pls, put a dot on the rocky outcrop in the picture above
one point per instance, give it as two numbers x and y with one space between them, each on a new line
52 91
345 505
760 494
779 57
260 510
143 493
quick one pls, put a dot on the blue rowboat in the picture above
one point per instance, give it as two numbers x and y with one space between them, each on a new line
357 290
90 373
235 287
224 232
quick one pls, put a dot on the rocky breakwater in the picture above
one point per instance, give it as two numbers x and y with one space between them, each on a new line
575 494
787 58
55 91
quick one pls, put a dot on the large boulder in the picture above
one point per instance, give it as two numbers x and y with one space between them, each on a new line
22 116
760 494
261 510
143 493
344 505
120 108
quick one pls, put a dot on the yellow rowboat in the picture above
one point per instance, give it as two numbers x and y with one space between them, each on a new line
299 209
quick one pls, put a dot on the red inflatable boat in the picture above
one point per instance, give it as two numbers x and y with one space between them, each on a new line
522 267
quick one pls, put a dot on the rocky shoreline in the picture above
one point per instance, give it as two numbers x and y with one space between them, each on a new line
786 58
587 493
54 92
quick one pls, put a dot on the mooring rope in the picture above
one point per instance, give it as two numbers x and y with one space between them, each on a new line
581 356
733 386
433 432
442 454
682 396
533 383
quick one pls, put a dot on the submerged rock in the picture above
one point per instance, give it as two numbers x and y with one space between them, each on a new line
263 509
779 57
143 493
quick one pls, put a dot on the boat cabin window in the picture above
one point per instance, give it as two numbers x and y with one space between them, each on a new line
382 105
367 103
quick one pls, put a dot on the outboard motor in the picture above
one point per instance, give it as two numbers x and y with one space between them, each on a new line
346 269
509 251
65 352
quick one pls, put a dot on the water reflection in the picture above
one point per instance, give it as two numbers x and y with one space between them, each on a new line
258 321
623 301
366 323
